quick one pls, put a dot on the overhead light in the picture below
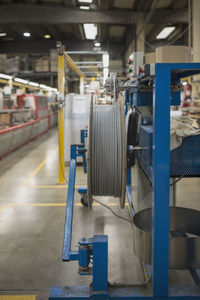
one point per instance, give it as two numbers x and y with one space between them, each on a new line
47 36
106 60
3 34
21 80
90 31
26 34
165 32
85 1
4 76
97 44
84 7
33 83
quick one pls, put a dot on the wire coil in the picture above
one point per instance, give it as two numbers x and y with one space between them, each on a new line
106 152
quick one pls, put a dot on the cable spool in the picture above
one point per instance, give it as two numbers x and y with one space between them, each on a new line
106 152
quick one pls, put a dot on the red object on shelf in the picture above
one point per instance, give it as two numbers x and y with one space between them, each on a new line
20 102
187 91
139 70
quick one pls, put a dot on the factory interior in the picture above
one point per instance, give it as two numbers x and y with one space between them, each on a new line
99 149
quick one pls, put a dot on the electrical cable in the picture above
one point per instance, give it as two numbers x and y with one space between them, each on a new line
113 212
173 183
142 284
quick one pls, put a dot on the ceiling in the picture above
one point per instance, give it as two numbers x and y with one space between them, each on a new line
63 20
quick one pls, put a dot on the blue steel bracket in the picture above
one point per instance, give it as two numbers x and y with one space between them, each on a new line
85 256
76 151
84 134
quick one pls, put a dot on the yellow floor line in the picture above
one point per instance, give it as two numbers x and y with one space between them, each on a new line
18 297
38 168
113 204
54 186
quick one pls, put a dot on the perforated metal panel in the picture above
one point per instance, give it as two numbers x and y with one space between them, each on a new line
185 160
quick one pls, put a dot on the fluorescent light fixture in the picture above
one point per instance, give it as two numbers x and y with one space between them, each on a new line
97 44
47 36
2 34
21 80
165 32
85 1
4 76
105 74
84 7
43 86
33 83
26 34
106 60
90 31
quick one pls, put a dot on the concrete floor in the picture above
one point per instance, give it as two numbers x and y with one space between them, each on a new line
32 215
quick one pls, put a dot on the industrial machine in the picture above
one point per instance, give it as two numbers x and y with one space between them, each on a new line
165 236
32 118
38 104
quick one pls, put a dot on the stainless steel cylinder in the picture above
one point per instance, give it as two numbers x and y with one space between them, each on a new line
184 237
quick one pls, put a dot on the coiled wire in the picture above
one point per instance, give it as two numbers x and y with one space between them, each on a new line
106 162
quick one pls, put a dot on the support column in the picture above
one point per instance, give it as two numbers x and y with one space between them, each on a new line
194 26
194 40
140 33
61 118
81 87
161 174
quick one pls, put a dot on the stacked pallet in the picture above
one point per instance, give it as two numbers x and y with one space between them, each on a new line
41 64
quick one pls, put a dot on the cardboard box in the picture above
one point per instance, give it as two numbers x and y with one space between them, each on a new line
41 64
4 119
174 54
3 63
53 60
14 65
150 58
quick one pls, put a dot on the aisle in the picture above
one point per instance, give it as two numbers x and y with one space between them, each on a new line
32 214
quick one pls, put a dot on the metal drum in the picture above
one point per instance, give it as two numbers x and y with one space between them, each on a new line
184 239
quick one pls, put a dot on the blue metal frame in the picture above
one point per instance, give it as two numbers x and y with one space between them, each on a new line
76 150
164 73
84 134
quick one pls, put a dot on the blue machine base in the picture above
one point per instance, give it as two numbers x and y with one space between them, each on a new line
82 190
125 293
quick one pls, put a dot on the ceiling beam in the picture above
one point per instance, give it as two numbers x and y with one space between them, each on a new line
158 43
43 46
177 16
39 14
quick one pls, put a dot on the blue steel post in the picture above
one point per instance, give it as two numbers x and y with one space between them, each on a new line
100 263
69 208
131 99
161 172
83 136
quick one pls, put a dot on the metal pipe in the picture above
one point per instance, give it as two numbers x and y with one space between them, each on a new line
74 67
86 52
88 62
